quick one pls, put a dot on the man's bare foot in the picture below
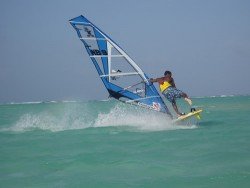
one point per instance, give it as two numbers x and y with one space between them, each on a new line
188 101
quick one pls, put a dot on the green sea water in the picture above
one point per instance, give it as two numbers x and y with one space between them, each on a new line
109 144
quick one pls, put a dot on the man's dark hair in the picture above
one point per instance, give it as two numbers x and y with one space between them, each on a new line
167 72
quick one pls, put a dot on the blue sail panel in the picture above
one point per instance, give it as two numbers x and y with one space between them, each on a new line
122 77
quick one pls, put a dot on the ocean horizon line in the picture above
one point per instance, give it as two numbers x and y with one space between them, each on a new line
108 99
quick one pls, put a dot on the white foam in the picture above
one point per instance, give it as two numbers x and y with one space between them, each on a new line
137 118
215 96
30 122
74 116
68 119
31 102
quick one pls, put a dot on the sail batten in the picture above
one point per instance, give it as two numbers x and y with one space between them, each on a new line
121 74
122 77
92 39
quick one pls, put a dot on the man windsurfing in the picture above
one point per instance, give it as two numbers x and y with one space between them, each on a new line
169 90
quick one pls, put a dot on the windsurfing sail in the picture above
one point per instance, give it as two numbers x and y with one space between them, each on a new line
121 76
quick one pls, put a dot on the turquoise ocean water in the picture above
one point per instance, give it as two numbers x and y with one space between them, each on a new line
109 144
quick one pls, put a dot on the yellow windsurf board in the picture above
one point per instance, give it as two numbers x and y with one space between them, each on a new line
195 113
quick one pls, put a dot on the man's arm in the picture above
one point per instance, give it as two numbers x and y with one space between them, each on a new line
160 80
154 80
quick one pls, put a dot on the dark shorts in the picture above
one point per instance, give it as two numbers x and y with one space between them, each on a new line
172 93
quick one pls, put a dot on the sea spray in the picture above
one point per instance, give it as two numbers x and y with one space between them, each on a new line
136 118
63 116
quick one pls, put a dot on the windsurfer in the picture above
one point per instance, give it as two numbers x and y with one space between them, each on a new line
169 90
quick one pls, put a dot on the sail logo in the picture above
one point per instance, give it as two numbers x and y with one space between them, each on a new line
156 106
98 52
89 34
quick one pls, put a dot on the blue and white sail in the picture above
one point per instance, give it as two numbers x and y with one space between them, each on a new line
121 76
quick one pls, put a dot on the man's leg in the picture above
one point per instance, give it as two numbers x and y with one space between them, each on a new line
188 101
184 95
175 108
